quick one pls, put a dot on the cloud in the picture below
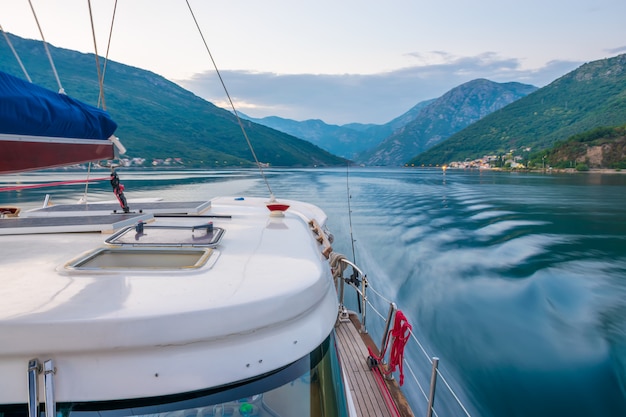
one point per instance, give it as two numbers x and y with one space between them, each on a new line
372 98
617 51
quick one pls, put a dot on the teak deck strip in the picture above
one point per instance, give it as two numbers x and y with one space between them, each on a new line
366 394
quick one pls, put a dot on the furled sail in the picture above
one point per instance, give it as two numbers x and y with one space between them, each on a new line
40 128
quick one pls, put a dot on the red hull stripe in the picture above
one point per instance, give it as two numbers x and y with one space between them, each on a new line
17 156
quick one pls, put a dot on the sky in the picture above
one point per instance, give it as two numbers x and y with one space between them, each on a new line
340 61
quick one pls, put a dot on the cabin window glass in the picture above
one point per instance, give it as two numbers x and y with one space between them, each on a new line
312 386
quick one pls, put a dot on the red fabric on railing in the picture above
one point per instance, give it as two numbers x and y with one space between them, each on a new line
400 333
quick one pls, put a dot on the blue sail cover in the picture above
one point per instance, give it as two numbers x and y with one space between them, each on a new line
27 109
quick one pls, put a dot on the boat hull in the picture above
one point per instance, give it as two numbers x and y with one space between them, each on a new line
24 153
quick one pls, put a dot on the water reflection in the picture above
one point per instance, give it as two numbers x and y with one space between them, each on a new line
507 277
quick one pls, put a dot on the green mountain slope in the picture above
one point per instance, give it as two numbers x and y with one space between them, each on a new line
603 147
158 119
458 108
593 95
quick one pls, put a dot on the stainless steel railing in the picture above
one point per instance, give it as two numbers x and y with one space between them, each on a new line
35 368
358 281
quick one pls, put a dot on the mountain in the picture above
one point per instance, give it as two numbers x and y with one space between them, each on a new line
335 139
426 124
603 147
347 140
592 96
455 110
158 119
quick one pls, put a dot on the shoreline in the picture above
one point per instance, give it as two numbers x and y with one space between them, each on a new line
589 171
547 171
561 171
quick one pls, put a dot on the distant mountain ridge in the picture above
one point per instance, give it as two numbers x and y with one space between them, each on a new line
481 118
423 126
592 96
159 119
347 140
440 119
339 140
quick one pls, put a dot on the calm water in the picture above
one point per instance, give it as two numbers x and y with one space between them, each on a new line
517 282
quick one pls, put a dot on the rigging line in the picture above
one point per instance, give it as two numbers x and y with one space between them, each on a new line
19 61
84 197
350 210
45 45
106 57
232 105
101 100
95 48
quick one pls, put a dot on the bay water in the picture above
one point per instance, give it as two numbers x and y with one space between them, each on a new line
515 281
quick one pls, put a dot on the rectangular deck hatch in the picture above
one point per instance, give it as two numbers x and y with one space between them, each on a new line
202 235
141 259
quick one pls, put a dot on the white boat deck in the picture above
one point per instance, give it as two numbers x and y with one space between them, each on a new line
130 302
227 311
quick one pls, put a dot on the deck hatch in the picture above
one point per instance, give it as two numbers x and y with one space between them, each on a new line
125 258
201 235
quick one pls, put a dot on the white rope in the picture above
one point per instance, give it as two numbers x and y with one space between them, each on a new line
19 61
336 264
45 45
